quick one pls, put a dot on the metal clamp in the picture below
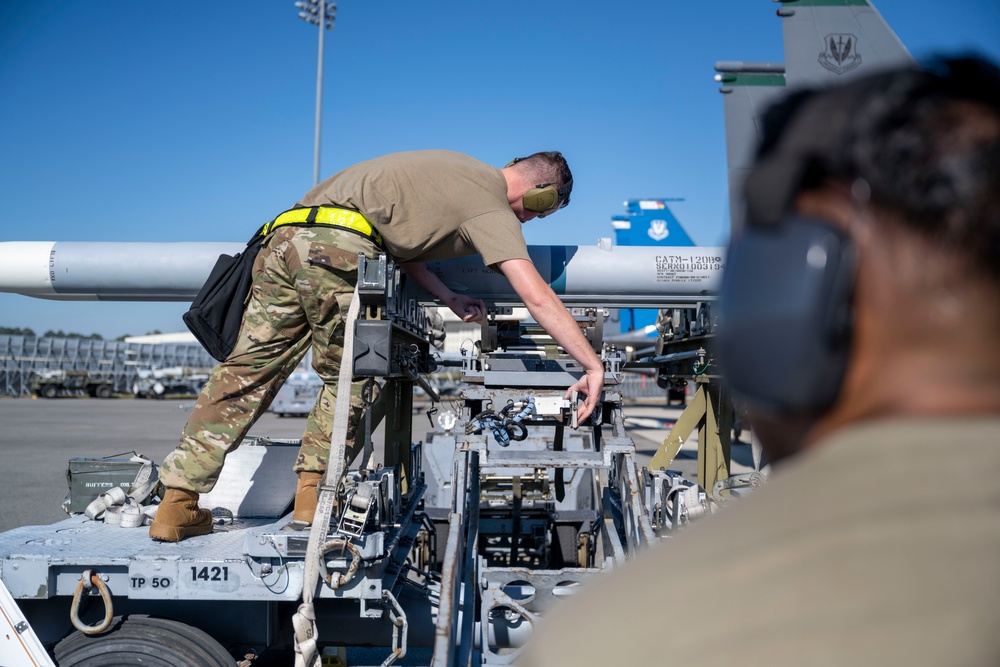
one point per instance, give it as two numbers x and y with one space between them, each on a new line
750 480
88 580
352 569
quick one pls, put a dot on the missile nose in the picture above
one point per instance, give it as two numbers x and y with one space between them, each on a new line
24 267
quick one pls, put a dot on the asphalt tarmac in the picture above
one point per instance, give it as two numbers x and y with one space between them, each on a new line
39 436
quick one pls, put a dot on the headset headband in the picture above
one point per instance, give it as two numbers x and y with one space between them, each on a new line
805 136
800 153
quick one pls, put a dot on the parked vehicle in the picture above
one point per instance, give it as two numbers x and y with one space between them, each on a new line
161 382
54 382
298 395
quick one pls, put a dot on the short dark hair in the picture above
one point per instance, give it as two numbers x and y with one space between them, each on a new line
925 140
549 167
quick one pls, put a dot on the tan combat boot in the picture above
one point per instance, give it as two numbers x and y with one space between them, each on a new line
179 516
306 495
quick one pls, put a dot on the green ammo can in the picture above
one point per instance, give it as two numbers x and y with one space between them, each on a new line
89 478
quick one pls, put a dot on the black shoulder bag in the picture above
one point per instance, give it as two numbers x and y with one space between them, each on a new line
216 314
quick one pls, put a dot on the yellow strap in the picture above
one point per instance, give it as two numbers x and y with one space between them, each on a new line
325 215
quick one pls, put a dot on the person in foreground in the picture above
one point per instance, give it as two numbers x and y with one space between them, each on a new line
866 294
416 206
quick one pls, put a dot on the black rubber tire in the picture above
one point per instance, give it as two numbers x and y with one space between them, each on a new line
50 391
143 640
103 391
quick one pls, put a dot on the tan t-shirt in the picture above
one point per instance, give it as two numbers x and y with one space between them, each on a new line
879 545
429 205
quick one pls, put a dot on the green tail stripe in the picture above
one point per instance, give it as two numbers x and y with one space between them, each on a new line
824 3
747 79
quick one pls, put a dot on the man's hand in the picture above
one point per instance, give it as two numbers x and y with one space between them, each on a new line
467 308
591 384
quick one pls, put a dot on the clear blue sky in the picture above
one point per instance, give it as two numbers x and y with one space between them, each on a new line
184 120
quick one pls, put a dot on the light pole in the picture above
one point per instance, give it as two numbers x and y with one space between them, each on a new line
319 13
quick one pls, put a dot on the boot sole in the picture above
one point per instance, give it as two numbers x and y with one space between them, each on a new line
304 517
296 526
176 534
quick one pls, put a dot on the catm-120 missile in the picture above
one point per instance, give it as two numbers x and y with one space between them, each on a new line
581 275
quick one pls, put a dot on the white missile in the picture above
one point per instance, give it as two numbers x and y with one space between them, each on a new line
601 275
89 271
581 275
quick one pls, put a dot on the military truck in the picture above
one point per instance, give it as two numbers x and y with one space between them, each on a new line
54 382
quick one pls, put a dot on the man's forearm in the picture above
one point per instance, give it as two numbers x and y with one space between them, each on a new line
549 311
552 315
467 308
421 275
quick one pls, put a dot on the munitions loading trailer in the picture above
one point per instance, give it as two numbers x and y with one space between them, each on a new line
447 550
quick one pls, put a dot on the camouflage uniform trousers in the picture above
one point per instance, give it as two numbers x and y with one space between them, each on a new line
304 279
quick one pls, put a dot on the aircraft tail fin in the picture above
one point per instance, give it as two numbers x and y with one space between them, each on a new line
650 222
827 41
748 89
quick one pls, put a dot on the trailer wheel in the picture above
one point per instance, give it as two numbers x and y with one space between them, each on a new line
103 391
143 640
50 391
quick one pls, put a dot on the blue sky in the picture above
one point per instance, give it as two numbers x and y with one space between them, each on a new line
185 121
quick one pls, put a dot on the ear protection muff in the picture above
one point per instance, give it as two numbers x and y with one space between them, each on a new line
784 330
544 197
541 198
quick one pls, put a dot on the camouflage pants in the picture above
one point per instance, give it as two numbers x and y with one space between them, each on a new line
304 279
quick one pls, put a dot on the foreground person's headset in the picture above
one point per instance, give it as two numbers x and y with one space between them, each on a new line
785 301
546 196
785 306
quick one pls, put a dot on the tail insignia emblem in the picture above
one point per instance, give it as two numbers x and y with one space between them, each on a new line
840 53
658 230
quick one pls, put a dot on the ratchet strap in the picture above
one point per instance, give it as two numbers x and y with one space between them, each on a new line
306 634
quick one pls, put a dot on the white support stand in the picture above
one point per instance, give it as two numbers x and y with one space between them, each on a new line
19 645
